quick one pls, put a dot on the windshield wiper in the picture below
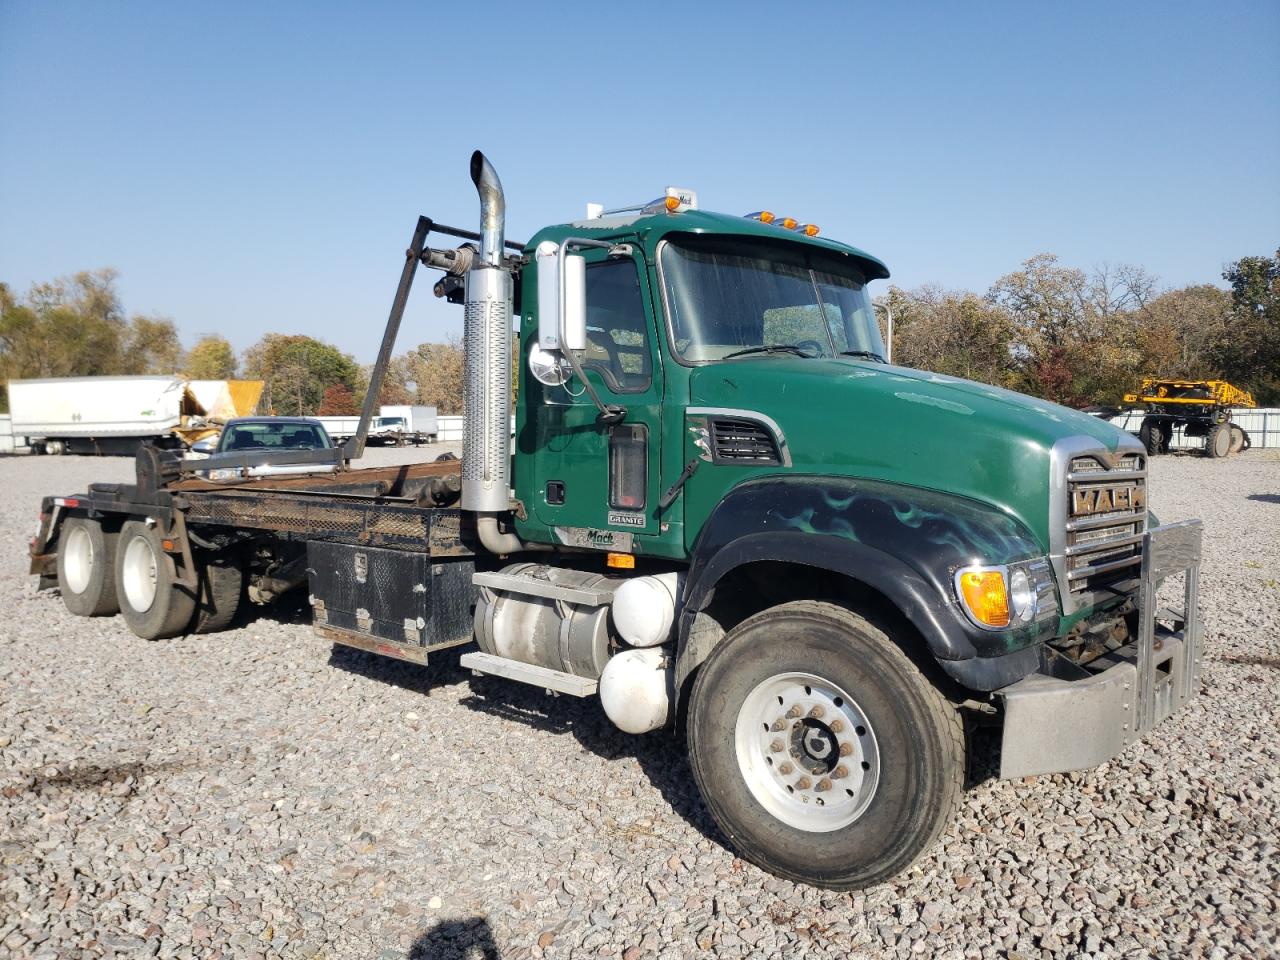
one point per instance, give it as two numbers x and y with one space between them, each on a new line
769 348
869 354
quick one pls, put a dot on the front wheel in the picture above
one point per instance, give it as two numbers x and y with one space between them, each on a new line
821 750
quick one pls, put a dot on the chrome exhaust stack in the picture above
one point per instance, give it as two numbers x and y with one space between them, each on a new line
486 444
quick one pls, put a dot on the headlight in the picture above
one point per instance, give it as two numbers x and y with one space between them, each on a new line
998 597
1022 599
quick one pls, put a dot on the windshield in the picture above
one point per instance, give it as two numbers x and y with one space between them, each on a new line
726 296
273 436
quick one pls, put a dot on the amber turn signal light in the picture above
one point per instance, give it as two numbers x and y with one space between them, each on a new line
984 593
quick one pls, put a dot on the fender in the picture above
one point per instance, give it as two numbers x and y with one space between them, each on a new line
905 542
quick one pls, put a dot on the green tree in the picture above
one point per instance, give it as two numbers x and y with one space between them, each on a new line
212 358
296 371
68 327
1249 352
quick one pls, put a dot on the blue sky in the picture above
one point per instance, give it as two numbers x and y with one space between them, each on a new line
251 167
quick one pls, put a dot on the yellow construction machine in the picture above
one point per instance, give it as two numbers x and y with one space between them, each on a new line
1202 407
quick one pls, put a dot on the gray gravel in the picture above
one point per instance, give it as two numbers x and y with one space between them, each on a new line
258 793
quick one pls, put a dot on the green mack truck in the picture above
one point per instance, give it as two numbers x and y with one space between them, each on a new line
722 511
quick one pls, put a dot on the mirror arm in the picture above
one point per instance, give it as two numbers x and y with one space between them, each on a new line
609 413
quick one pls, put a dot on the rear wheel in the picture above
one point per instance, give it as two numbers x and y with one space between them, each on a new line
86 568
1239 439
153 603
821 750
1152 437
1218 442
221 584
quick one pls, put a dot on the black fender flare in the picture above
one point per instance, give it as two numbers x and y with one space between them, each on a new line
904 542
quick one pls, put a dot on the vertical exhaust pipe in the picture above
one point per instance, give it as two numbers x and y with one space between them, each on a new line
486 444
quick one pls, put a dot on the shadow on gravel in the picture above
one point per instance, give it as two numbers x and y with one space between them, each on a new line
662 760
1264 497
461 939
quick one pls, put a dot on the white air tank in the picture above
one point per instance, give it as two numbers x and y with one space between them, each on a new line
644 609
636 689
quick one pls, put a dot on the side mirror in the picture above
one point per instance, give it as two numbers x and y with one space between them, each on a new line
206 446
562 323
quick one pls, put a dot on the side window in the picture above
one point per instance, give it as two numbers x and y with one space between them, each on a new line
617 327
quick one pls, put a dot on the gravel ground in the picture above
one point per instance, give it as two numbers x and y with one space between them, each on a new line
259 793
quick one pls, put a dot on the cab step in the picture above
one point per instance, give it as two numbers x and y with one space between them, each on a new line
553 681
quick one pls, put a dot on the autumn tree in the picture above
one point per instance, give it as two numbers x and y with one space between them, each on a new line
338 401
956 333
297 369
1180 332
436 371
212 358
150 345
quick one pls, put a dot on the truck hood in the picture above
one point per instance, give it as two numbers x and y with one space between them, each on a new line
860 418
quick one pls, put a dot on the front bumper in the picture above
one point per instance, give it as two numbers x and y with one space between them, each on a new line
1052 725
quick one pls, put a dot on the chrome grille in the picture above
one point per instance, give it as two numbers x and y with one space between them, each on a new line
1106 516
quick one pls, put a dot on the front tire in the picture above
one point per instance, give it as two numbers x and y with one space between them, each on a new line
152 601
1152 437
86 568
821 750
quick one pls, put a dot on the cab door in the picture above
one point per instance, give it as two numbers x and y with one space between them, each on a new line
596 484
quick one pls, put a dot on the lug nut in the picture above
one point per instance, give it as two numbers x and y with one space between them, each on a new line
840 772
804 783
816 713
776 746
836 725
794 712
823 784
779 725
785 769
846 749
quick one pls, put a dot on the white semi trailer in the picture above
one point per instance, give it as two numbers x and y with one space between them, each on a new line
112 415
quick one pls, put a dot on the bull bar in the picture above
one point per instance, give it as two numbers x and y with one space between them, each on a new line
1052 725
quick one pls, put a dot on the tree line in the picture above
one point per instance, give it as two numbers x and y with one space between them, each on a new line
76 326
1085 338
1069 335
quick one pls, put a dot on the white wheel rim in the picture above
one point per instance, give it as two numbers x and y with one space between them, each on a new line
139 573
807 752
78 561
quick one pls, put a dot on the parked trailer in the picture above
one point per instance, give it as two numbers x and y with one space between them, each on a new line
113 415
682 534
8 442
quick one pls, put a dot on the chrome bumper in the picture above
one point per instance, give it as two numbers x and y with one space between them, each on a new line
1053 725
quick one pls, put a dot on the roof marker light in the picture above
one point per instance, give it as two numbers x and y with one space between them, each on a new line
764 216
810 230
672 204
789 223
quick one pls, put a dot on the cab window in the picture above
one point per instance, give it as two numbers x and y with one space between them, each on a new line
617 327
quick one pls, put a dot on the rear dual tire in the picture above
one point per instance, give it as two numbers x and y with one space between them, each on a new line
154 604
861 798
86 568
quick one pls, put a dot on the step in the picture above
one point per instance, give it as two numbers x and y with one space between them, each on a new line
548 679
